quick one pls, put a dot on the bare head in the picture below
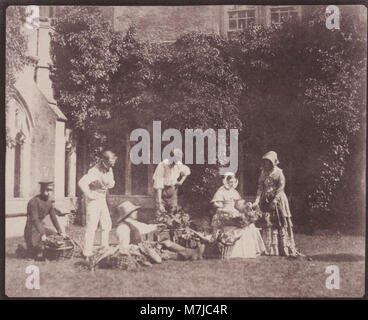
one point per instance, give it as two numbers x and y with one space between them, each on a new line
108 159
46 189
177 156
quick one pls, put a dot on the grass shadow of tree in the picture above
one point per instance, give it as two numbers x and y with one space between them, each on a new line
340 257
19 253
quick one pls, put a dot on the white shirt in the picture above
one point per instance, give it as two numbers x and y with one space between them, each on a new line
101 182
166 175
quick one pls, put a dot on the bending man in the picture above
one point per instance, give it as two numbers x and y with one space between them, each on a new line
37 209
168 176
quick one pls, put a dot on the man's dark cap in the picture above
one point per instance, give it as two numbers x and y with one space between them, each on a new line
46 184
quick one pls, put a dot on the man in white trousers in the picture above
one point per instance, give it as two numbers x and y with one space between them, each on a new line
94 185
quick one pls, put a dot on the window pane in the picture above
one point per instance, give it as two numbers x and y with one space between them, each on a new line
284 16
293 15
44 11
241 24
232 15
241 14
232 24
17 168
66 174
250 22
275 17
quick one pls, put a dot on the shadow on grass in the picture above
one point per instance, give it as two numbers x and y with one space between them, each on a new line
13 255
340 257
20 253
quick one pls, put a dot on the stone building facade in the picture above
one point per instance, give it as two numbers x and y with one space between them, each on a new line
165 24
38 148
239 17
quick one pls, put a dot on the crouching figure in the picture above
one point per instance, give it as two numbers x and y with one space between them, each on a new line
35 232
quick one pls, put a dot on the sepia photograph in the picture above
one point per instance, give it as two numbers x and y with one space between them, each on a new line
185 151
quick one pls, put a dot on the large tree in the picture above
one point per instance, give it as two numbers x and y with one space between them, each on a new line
305 98
84 55
16 45
187 84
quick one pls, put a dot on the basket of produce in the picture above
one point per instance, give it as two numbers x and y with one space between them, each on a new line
176 223
250 214
162 235
175 219
56 247
225 250
119 261
185 237
226 242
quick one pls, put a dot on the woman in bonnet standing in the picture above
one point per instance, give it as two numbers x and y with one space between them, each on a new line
273 202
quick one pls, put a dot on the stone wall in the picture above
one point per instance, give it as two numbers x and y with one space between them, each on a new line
162 23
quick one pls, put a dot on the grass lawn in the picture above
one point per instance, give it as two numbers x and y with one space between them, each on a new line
261 277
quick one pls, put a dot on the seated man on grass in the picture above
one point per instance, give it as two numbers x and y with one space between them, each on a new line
129 231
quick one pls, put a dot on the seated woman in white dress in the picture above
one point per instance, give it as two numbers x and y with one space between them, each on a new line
250 243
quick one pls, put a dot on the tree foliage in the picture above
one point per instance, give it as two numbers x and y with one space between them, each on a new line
187 84
16 45
16 48
84 55
304 97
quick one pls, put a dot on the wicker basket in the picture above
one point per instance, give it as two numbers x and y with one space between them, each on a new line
120 261
63 252
176 234
162 235
225 250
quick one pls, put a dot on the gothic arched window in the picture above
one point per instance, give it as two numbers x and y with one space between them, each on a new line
18 124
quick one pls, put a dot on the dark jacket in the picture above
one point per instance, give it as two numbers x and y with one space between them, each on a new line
37 210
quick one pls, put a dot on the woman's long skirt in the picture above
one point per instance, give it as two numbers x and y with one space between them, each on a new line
250 244
277 231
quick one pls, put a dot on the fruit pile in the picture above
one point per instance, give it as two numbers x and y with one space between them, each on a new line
175 219
246 215
55 241
228 238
